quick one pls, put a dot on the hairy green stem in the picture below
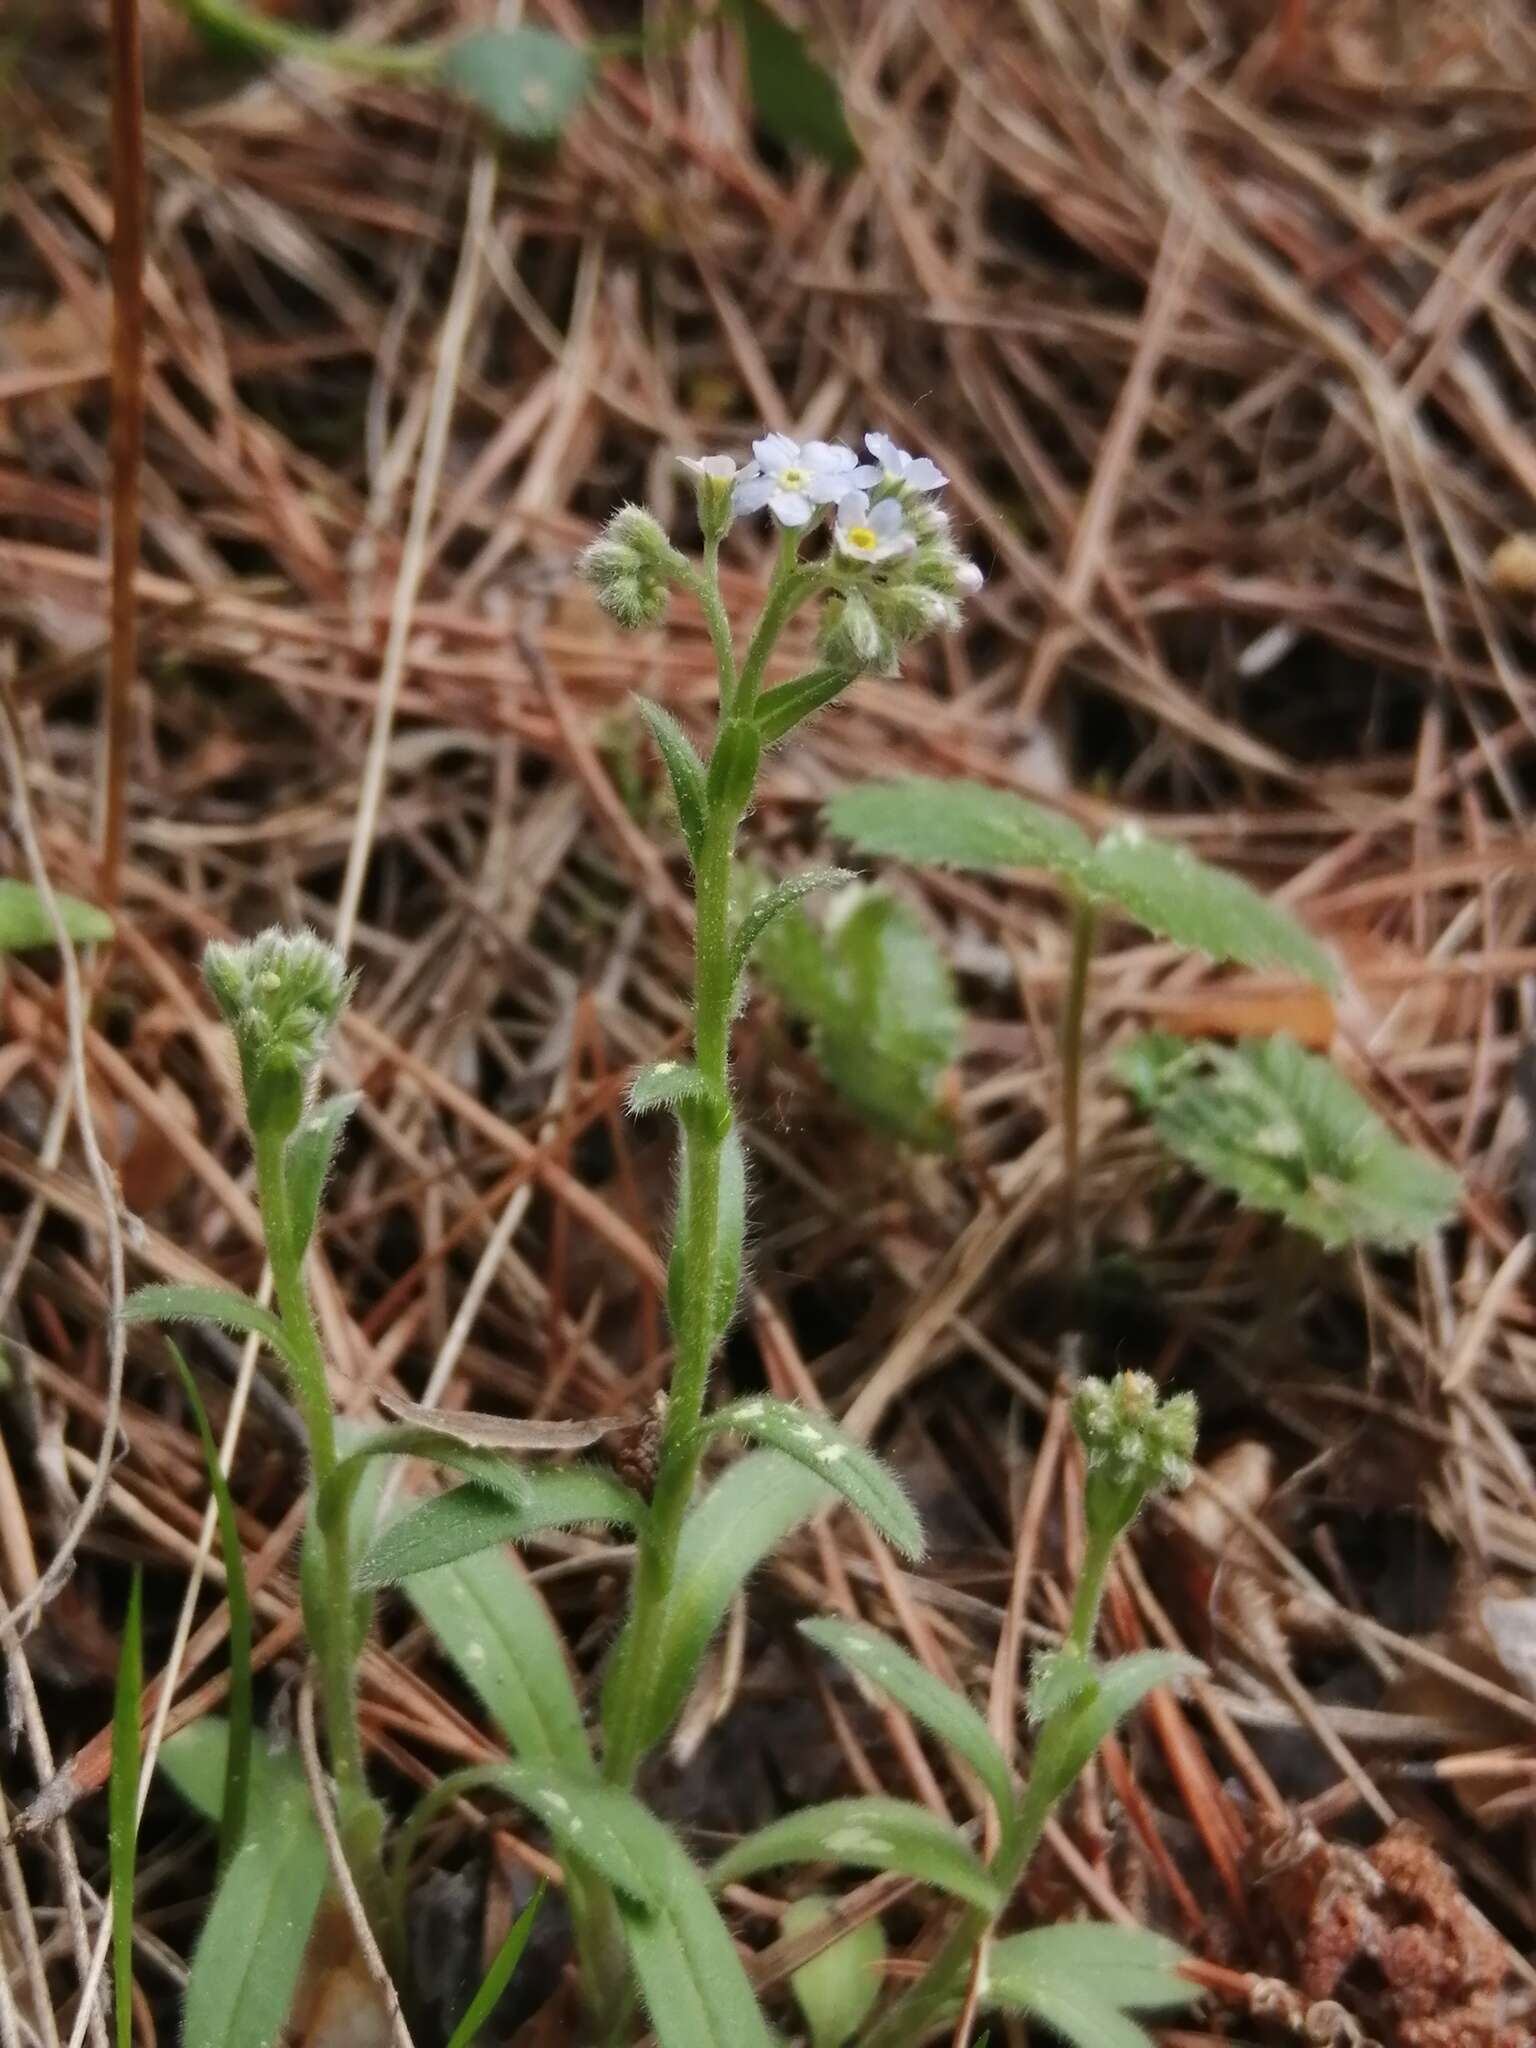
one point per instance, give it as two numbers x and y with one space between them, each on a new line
938 1991
790 588
1085 919
334 1654
706 589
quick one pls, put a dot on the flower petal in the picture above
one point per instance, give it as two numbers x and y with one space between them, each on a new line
923 475
886 518
885 452
753 492
790 508
776 451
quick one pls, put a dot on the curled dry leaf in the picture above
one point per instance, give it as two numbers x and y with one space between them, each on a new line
503 1432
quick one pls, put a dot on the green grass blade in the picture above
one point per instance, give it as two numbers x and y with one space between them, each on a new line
499 1975
237 1761
123 1809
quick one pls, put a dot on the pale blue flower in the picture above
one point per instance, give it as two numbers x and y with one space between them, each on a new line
896 466
871 533
792 480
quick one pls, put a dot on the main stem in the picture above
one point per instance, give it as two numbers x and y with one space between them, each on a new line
337 1688
657 1551
942 1984
1084 927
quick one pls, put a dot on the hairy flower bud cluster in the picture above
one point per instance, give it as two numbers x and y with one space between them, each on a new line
281 994
1137 1444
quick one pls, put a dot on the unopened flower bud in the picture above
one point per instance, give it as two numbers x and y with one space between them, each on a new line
714 482
968 576
1137 1444
631 567
280 994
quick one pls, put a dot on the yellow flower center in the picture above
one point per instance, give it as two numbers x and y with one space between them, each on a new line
794 479
861 537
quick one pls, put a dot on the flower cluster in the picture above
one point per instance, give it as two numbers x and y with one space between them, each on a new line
1137 1444
890 574
281 994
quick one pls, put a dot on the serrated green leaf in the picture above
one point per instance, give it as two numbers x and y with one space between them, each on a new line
1128 1967
234 1799
497 1632
794 97
730 1237
1073 1734
745 1515
837 1989
25 923
528 80
937 823
220 1306
246 1964
773 903
880 1002
1283 1131
470 1519
781 709
831 1454
1181 897
690 1976
307 1164
123 1808
868 1834
684 769
956 1723
503 1965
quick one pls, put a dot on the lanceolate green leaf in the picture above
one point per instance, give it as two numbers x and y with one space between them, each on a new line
837 1989
478 2012
307 1162
690 1975
936 823
247 1960
844 1463
123 1810
747 1512
600 1825
787 705
497 1631
217 1305
1284 1131
1180 897
25 923
527 80
684 770
469 1519
943 1712
1069 1739
868 1834
796 100
237 1770
1124 1966
774 902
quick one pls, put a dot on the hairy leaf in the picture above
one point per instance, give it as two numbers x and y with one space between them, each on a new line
773 903
844 1463
470 1519
218 1305
787 705
937 823
1083 1982
744 1516
670 1084
1283 1131
1180 897
1074 1732
25 923
246 1964
528 80
498 1633
123 1808
307 1163
690 1975
1166 888
880 1002
795 99
837 1989
868 1834
602 1826
956 1723
684 769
